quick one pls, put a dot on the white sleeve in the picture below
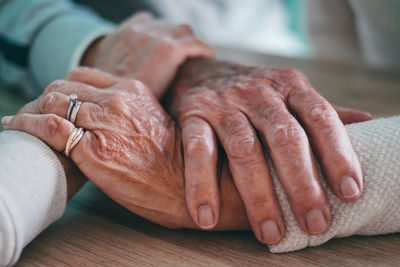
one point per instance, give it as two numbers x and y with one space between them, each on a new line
377 144
33 192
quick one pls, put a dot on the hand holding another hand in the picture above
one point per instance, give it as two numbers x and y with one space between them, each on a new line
130 149
246 109
148 49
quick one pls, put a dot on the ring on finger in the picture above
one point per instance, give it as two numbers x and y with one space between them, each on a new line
72 101
73 139
74 112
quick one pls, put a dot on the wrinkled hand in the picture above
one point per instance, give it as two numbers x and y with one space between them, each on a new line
131 149
243 105
147 49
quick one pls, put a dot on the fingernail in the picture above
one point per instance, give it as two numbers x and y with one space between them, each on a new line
348 187
369 116
270 232
206 217
6 120
315 222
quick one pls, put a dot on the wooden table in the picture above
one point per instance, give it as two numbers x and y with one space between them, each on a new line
96 231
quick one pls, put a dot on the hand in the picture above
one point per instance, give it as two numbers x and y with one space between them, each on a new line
125 164
147 49
131 149
240 104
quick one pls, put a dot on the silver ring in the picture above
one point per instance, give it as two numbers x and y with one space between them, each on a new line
74 112
72 101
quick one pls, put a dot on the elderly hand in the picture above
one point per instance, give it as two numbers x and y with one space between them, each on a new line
130 149
147 49
243 105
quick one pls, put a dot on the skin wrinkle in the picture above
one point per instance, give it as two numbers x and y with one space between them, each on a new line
165 169
264 96
158 52
131 182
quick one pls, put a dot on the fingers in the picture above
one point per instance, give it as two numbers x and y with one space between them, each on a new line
93 77
57 104
200 156
348 115
193 47
251 176
86 93
182 30
293 160
50 128
330 141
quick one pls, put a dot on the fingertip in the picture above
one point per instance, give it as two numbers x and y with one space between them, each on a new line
6 120
316 222
206 217
271 233
349 189
367 116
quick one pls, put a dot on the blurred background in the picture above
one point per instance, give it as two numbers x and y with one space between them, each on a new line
354 31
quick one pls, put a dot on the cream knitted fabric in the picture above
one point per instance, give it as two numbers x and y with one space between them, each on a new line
377 144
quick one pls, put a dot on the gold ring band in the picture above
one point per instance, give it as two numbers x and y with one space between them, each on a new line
73 139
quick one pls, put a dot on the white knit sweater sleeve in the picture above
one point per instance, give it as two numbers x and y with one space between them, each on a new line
33 192
377 144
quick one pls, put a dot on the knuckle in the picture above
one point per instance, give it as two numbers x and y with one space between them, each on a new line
295 74
52 124
286 135
128 32
242 148
121 96
321 114
295 80
198 101
308 194
146 37
135 86
47 103
198 145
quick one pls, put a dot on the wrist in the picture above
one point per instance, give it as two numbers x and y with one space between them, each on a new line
75 179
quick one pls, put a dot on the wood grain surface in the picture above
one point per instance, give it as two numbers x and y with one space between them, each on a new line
95 231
